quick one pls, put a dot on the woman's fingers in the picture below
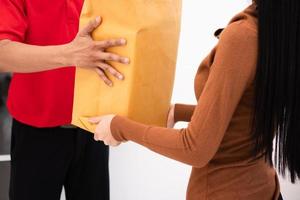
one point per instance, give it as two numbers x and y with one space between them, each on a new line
95 120
103 76
170 120
110 43
99 134
96 137
114 144
90 27
111 142
99 137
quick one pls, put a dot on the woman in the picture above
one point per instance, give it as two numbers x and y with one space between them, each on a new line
247 91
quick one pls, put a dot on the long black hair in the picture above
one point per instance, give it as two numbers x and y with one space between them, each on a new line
277 84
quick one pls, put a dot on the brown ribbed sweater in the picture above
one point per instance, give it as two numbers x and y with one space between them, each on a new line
217 141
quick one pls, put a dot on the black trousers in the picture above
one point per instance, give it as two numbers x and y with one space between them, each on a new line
44 160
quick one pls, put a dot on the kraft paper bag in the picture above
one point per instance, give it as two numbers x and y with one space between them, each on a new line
151 28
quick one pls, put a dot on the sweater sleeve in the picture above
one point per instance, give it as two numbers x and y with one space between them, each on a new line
183 112
231 73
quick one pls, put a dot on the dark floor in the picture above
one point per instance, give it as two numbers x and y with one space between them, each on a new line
5 124
5 120
4 180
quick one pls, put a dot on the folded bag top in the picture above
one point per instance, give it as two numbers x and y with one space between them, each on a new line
151 28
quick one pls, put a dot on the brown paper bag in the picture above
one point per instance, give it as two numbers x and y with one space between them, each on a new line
151 28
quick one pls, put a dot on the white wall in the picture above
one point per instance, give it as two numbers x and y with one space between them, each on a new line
289 191
137 173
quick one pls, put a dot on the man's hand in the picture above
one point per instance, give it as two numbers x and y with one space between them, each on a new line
83 51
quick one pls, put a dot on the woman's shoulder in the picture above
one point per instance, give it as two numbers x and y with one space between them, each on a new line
245 20
242 29
241 26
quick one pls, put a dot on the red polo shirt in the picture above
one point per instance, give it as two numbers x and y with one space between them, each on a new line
43 99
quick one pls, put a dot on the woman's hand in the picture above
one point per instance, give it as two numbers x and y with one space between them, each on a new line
171 122
83 51
103 132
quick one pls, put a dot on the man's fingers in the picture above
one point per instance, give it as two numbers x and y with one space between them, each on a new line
103 76
110 43
92 25
111 70
114 57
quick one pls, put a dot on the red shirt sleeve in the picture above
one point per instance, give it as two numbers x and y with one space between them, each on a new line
13 20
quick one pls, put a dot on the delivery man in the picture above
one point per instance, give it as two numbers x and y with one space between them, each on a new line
39 42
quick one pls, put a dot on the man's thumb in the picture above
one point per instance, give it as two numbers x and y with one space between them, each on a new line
90 27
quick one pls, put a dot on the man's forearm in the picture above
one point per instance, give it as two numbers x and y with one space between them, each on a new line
23 58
